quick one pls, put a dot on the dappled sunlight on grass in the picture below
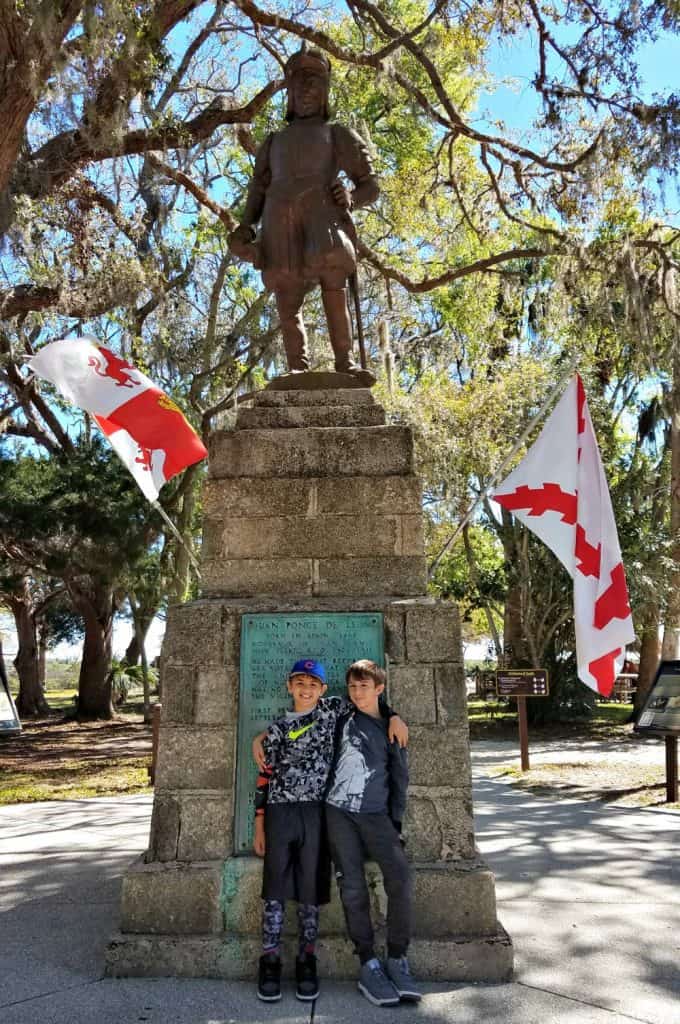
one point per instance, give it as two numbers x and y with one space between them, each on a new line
74 780
61 759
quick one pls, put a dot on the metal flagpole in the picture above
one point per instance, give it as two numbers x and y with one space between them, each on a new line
503 466
166 518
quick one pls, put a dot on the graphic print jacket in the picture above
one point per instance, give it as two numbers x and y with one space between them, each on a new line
299 751
370 774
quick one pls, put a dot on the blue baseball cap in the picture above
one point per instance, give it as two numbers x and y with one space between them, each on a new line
309 667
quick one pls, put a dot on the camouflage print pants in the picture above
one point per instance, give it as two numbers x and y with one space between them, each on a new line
272 926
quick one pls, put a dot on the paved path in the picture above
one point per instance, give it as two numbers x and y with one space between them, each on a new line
589 894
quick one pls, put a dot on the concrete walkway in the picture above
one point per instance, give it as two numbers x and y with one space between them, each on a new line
588 892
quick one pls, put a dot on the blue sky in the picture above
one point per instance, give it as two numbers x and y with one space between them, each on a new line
513 99
516 102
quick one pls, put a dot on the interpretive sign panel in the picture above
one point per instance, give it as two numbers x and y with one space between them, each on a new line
270 645
522 682
660 715
9 720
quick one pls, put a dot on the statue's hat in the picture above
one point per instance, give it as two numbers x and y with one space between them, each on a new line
307 60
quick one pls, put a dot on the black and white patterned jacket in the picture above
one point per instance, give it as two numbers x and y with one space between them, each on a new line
299 754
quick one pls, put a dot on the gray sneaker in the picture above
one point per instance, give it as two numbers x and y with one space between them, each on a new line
375 985
399 973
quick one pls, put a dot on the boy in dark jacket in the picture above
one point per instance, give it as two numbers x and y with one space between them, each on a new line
365 805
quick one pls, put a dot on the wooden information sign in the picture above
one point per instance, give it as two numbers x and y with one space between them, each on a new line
270 645
522 682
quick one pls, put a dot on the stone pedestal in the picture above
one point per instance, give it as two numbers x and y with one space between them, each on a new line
311 506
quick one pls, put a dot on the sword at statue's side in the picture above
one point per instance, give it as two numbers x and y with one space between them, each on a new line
354 288
353 282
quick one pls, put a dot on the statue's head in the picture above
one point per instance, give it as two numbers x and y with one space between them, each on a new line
308 75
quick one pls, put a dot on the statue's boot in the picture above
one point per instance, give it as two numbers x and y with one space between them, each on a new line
339 328
293 330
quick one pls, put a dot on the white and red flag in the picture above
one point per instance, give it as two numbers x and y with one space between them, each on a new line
559 491
145 428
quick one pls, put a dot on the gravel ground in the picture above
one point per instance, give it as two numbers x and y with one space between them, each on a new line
628 771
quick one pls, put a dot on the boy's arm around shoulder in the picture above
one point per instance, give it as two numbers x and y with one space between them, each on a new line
261 798
267 742
265 745
397 729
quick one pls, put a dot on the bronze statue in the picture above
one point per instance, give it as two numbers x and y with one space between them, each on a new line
307 235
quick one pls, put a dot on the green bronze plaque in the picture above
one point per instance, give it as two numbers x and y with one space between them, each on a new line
270 645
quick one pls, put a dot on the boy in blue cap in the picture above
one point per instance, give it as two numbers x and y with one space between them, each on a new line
289 824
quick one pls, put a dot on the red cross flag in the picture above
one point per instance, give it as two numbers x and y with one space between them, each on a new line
145 428
560 492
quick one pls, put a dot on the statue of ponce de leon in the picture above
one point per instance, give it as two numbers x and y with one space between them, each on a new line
307 236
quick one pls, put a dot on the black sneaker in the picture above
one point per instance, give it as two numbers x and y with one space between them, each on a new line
269 978
306 981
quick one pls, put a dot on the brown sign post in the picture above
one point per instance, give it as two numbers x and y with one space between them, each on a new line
521 683
660 716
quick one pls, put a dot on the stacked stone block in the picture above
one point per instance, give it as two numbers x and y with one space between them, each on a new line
311 505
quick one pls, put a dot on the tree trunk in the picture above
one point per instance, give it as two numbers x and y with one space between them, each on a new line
671 633
474 576
649 657
180 583
96 605
515 652
132 652
31 699
145 683
29 45
42 652
142 622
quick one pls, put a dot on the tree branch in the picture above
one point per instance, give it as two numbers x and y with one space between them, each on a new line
196 191
82 303
59 158
428 284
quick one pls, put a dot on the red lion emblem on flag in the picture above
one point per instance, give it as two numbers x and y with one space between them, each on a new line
113 367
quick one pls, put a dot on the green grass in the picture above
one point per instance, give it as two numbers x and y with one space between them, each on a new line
75 780
60 697
486 709
613 713
61 700
498 719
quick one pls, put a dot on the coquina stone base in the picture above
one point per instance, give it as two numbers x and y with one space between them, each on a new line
311 506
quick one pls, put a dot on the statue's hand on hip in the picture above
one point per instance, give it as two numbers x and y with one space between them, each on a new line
341 196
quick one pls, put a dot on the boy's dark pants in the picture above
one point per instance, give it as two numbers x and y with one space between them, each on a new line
352 838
